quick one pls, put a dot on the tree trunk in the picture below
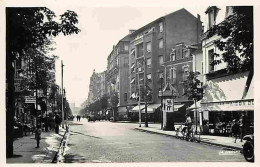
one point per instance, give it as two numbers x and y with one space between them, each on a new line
10 103
10 98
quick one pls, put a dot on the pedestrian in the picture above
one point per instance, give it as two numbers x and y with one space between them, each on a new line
242 125
79 118
57 123
235 129
38 132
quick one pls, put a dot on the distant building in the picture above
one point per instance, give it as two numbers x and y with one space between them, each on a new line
96 86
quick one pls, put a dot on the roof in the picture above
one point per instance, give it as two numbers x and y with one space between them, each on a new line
159 19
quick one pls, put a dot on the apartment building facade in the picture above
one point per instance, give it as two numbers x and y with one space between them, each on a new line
150 49
117 75
225 98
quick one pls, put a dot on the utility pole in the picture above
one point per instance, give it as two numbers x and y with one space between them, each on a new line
139 99
62 111
145 93
36 95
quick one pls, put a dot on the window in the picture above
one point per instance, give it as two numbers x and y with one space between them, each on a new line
160 43
202 67
173 75
160 75
161 26
133 81
125 96
148 62
148 46
133 68
185 52
140 50
160 60
211 59
149 77
186 71
173 55
126 47
182 54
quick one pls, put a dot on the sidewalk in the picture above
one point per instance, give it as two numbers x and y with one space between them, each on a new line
25 151
207 139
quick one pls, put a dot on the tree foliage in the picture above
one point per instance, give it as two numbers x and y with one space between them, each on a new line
193 88
236 33
29 30
114 99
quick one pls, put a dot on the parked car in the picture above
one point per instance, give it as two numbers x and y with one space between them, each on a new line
98 117
91 118
248 148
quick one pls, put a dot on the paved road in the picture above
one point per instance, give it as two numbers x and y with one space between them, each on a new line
94 142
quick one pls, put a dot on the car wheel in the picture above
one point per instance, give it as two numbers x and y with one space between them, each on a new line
248 150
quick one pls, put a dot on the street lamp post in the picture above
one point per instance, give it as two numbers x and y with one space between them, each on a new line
161 77
62 110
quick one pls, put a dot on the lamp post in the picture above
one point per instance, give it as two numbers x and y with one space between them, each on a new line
161 78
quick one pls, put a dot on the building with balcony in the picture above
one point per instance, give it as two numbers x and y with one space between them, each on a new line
117 75
227 94
150 49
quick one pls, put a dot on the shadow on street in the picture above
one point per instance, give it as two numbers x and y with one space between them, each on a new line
76 133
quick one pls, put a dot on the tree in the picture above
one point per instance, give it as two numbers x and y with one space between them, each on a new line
114 100
104 103
29 28
236 33
193 88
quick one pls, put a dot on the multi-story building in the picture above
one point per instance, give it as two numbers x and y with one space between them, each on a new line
176 71
103 83
150 53
95 89
117 74
225 97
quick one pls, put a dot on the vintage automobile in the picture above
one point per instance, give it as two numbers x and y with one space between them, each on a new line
248 148
91 118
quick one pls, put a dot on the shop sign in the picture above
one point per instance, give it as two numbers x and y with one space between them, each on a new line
168 105
30 99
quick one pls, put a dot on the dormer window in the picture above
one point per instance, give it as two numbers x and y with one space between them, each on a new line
173 55
212 14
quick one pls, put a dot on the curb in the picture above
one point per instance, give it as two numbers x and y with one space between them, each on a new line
58 158
201 141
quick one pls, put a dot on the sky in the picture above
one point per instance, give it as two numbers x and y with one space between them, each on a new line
103 23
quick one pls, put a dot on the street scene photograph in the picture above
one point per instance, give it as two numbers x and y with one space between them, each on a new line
110 82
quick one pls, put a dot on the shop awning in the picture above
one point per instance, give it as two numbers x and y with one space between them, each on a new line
154 106
230 106
142 108
176 107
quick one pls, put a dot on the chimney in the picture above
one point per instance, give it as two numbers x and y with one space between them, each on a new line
131 31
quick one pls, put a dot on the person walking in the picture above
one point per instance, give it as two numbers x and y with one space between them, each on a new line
242 123
79 118
38 132
235 129
57 123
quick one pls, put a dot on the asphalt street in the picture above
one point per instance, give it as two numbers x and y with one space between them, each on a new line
105 142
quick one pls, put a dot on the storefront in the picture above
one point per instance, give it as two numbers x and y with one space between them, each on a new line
152 112
226 100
